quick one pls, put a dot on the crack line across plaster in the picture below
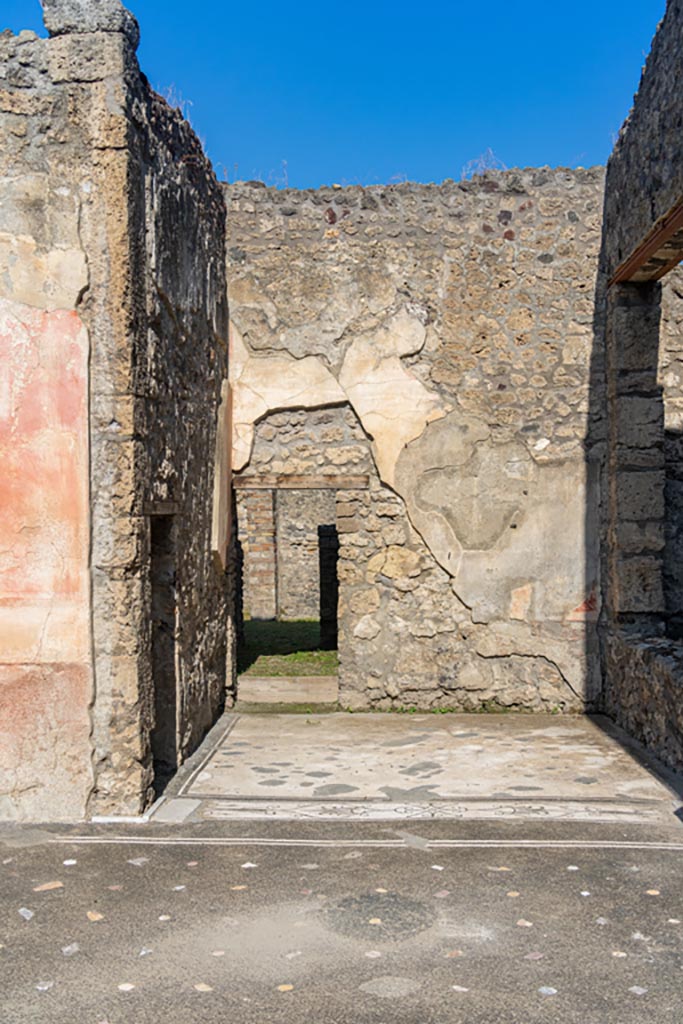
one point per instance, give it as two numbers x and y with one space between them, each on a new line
532 657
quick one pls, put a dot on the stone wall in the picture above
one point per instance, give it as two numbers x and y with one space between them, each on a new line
643 691
645 171
278 527
46 675
256 531
176 361
299 513
456 324
278 531
670 377
643 580
112 284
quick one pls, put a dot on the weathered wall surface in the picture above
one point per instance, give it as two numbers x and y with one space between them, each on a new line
298 516
643 691
114 328
644 511
156 382
670 378
278 531
46 682
256 531
171 372
645 171
457 323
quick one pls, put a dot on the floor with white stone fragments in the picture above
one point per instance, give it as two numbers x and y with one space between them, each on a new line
362 869
419 766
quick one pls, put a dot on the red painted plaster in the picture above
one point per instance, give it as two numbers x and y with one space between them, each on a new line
45 670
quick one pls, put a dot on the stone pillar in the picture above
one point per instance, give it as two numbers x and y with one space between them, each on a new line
256 512
636 473
63 169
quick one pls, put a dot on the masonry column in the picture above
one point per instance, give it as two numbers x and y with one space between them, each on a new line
635 537
256 516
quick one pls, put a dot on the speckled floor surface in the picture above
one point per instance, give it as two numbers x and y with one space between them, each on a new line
342 923
374 766
476 870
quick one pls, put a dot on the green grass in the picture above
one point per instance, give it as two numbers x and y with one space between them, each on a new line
284 649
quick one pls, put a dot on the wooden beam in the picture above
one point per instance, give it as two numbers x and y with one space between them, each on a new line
659 252
305 482
161 508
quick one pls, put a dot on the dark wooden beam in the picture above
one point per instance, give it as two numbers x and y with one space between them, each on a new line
659 252
305 482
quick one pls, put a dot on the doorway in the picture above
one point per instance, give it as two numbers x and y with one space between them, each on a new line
290 586
163 649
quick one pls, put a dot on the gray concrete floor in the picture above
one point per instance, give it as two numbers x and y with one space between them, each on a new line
487 919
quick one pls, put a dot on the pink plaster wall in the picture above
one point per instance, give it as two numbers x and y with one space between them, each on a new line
45 656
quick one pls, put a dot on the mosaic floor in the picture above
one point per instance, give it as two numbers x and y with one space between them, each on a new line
380 766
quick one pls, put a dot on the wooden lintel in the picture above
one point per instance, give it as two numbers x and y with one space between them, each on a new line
305 482
658 253
162 508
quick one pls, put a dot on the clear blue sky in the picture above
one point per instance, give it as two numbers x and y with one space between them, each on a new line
373 91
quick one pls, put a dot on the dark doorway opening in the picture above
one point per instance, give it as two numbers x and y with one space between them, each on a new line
164 676
328 557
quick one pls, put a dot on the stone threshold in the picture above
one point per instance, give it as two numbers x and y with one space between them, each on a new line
311 691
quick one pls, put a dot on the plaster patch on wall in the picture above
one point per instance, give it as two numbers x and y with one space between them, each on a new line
393 406
263 384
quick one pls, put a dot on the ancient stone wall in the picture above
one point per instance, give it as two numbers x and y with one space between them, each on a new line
177 352
645 171
670 377
112 285
299 513
278 527
456 322
256 532
278 531
643 580
46 677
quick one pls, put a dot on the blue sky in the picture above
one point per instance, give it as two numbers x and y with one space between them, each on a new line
362 93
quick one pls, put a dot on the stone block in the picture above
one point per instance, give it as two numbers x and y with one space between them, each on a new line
638 585
76 58
63 17
640 495
635 538
364 601
349 525
640 421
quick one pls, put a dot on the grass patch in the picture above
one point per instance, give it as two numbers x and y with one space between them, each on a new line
284 649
